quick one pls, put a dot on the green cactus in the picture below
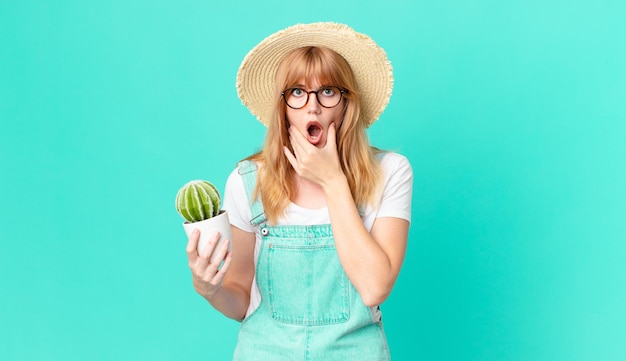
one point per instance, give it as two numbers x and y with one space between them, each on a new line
198 200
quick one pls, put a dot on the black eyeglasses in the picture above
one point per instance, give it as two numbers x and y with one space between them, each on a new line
327 96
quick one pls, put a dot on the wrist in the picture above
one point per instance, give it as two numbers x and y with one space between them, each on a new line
209 293
336 184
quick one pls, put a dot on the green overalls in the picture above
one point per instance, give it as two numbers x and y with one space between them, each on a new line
309 309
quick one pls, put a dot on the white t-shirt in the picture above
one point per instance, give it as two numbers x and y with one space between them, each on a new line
395 202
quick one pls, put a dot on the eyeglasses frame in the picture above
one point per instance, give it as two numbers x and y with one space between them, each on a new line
308 95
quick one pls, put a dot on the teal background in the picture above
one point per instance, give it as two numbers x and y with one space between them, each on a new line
512 114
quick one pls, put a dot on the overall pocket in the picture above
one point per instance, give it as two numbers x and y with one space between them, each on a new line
307 285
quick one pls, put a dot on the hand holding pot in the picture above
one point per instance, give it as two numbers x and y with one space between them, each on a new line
205 267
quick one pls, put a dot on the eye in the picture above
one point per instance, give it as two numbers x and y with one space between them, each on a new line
297 92
328 92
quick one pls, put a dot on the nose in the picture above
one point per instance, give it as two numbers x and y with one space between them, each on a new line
312 105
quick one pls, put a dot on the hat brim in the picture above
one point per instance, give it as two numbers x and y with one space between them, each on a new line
368 61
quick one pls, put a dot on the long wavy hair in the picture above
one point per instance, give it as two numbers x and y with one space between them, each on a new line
275 183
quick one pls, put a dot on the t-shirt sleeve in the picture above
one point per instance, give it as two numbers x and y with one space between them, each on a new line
398 189
236 202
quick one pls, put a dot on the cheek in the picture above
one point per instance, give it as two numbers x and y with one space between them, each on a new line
338 116
288 117
289 114
293 117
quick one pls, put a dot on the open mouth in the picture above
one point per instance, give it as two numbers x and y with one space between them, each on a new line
315 133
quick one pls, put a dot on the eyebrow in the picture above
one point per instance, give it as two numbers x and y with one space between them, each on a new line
302 86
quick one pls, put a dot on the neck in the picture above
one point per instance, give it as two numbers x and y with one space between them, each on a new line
308 194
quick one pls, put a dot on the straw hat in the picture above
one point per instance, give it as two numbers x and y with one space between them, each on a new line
369 63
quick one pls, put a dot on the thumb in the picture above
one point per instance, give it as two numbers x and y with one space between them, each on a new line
331 141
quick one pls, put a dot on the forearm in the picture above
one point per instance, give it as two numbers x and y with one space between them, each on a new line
230 300
366 263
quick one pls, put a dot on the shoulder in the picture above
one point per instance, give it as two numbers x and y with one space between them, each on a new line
236 200
396 187
234 177
392 162
242 169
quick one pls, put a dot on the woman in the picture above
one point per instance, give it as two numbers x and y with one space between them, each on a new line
319 218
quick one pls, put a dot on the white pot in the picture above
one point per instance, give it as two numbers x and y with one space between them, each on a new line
207 229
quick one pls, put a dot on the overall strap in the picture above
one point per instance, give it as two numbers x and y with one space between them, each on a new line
248 171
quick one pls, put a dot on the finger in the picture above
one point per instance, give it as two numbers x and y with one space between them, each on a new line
219 276
296 134
298 141
207 250
291 158
192 245
302 149
331 141
219 254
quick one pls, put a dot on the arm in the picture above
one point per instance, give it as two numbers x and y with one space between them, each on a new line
372 260
226 289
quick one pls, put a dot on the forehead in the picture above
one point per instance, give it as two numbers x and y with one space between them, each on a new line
312 83
311 80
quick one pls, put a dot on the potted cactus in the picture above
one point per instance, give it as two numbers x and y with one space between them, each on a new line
198 202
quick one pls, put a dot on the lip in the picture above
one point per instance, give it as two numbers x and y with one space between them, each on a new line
314 132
